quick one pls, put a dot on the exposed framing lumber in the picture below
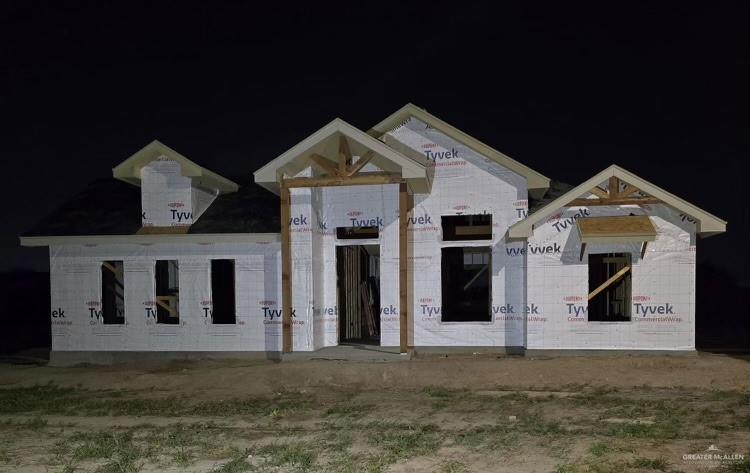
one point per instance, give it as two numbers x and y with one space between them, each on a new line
599 192
324 164
629 190
114 270
345 154
166 303
286 270
599 202
643 249
614 187
362 162
403 299
583 250
613 196
609 281
361 179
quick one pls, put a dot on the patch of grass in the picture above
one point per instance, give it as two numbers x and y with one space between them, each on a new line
349 410
237 464
600 449
438 391
47 398
298 456
453 466
404 440
4 456
182 457
487 437
658 464
51 399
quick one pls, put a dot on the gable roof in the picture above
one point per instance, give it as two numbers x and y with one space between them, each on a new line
130 169
706 223
325 143
536 182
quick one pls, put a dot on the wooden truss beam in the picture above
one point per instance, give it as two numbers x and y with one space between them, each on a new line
345 155
599 202
609 281
613 196
324 164
362 162
361 179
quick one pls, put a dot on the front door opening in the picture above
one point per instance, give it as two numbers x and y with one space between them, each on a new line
358 289
466 284
609 287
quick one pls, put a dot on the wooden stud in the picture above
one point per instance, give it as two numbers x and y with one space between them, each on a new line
599 192
403 210
614 187
166 303
643 249
628 191
583 250
363 160
609 281
345 155
324 164
286 270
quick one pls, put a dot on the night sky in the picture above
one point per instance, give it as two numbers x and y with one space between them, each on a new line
659 90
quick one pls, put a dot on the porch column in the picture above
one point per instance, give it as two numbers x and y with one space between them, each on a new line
286 271
403 287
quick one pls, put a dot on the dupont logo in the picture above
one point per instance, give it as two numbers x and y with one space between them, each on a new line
461 208
175 205
354 213
563 224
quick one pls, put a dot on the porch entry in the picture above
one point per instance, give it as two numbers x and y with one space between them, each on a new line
358 293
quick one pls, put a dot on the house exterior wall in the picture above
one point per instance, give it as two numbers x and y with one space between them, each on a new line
75 272
464 183
663 285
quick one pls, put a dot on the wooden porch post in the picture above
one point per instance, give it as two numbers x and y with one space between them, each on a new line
403 209
286 270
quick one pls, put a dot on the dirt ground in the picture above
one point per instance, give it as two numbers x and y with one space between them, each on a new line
456 414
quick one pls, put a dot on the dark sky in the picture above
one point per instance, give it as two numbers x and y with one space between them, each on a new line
661 90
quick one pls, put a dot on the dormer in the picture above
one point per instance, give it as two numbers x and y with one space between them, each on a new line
175 191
